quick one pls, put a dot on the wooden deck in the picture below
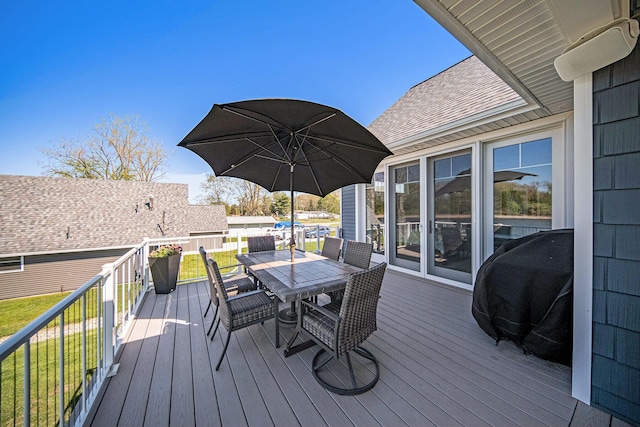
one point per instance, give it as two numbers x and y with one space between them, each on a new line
437 367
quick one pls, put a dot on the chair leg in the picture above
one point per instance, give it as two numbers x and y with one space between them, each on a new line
292 339
353 376
215 314
207 310
224 350
317 364
277 321
215 329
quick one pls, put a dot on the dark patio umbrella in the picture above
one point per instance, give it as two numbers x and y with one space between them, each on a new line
286 144
462 181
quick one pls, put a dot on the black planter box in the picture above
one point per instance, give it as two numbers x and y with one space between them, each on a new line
164 272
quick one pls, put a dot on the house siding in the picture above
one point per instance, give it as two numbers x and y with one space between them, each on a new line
348 213
47 274
616 311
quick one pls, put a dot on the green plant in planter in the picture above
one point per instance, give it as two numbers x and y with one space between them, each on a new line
164 263
165 251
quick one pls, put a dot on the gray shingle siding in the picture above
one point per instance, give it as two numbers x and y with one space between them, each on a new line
348 213
616 302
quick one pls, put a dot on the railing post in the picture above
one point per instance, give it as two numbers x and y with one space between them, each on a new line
84 355
145 262
61 370
318 238
27 384
108 313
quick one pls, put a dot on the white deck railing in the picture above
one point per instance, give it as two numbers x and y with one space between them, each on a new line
52 370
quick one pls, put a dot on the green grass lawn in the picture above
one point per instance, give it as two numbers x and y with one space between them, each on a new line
45 376
15 314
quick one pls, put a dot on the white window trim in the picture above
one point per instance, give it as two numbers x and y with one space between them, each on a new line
559 195
17 270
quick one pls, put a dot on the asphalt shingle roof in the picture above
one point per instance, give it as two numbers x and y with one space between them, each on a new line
44 214
463 90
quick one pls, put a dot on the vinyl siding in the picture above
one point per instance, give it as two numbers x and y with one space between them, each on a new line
46 274
348 213
616 310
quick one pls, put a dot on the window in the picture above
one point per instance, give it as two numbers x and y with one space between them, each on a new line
405 234
11 264
374 221
522 190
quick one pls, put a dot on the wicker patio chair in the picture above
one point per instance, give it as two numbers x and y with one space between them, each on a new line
340 327
241 310
261 243
332 247
234 285
358 253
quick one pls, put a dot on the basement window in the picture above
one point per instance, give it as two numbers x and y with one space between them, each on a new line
11 264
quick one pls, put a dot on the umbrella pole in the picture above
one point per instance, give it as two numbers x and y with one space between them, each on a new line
292 242
289 315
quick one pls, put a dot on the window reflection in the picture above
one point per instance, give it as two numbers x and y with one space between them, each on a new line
406 212
522 190
452 213
374 221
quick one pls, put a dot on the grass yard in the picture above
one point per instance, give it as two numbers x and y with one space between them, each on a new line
15 314
45 379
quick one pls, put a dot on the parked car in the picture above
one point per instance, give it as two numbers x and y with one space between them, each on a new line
317 231
283 229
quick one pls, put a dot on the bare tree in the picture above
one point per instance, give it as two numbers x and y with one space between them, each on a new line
218 190
118 149
252 198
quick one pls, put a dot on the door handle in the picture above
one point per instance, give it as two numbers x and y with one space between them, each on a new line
430 227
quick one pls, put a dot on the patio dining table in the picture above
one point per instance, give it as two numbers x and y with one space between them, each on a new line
310 274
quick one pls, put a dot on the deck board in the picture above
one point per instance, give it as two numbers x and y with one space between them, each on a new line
159 400
182 403
206 413
135 409
437 367
461 363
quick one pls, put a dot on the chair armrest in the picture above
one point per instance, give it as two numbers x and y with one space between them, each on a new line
330 314
246 294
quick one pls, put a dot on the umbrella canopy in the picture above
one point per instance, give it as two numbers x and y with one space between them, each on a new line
286 144
462 181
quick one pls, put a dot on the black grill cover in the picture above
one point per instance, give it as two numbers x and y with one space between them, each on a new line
524 293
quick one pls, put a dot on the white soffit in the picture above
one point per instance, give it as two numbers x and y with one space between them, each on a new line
519 40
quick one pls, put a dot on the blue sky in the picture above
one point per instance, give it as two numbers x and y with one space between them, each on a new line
65 66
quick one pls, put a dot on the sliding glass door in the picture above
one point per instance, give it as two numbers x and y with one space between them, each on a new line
449 222
405 227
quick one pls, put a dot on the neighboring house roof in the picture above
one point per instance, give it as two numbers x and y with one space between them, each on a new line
249 220
463 94
44 214
207 218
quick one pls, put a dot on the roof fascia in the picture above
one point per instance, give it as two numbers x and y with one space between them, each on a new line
498 113
539 125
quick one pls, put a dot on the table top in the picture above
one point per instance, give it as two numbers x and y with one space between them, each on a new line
310 274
